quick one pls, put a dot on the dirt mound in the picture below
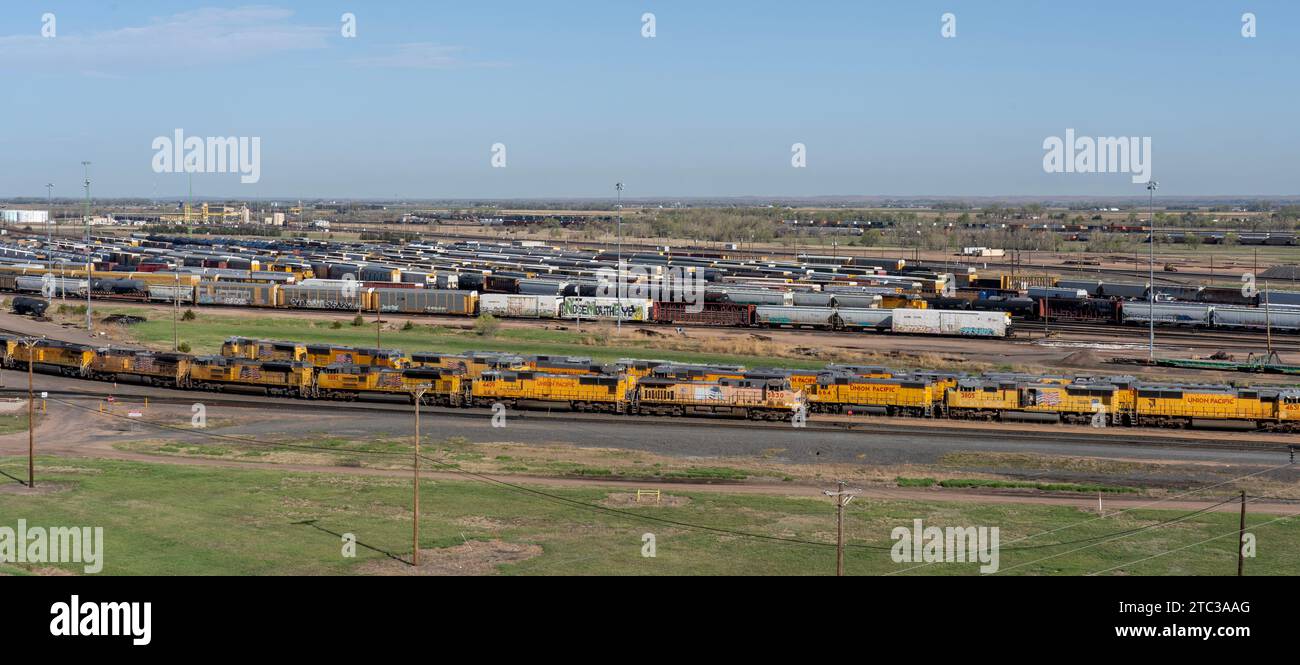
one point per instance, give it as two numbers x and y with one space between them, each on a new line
475 557
1084 358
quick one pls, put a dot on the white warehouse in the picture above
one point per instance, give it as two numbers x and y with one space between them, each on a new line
25 216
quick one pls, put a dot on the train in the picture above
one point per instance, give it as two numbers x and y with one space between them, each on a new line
650 387
346 296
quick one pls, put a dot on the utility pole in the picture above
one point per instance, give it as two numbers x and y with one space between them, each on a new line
1152 186
418 393
1241 537
842 498
86 166
30 342
618 286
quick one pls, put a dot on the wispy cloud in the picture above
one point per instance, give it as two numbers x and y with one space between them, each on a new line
187 39
420 55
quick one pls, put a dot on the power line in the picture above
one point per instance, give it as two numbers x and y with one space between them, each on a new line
1121 512
1179 549
1118 537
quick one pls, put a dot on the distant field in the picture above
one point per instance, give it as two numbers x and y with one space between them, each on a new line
164 519
211 327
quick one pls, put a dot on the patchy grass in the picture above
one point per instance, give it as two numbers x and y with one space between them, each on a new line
162 519
957 483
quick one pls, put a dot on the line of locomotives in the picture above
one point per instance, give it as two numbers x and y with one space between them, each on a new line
649 387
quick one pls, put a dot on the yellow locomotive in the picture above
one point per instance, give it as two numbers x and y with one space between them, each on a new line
607 394
472 364
756 399
905 396
288 379
261 349
444 387
170 370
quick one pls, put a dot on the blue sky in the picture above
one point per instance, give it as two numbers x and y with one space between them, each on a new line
708 107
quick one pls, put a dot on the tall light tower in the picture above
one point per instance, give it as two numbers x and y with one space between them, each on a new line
49 214
86 166
618 286
1152 186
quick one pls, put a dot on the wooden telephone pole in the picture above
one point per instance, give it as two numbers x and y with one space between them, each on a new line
30 342
418 394
842 498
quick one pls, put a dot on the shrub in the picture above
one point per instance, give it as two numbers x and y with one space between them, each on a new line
188 315
487 325
336 324
358 320
183 347
408 326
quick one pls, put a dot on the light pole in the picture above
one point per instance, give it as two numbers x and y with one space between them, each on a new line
49 203
1152 186
86 166
618 286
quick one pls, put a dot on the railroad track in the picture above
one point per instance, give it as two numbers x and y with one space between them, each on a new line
864 425
1242 340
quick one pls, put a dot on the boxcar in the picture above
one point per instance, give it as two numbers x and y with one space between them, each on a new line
244 294
425 301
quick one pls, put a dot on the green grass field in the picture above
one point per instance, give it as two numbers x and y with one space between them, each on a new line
165 519
211 327
17 422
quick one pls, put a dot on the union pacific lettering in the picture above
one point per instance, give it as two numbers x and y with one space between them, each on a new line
1211 399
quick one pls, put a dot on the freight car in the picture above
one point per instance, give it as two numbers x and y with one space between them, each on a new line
520 306
708 313
941 322
1164 313
424 301
1278 319
30 306
1091 310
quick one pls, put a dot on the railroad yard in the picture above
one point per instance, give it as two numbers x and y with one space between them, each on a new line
714 380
